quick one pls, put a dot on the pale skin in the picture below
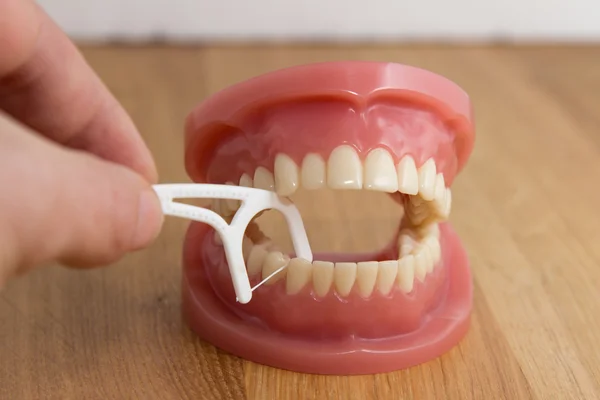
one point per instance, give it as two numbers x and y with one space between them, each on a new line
75 175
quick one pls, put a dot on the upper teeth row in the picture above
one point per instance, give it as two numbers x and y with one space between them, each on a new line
344 170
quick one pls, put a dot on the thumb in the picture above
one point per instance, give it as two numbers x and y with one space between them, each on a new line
63 205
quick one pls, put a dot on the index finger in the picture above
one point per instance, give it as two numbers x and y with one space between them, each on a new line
46 84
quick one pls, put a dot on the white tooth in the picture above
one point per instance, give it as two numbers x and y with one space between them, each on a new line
286 175
344 277
366 276
257 255
434 230
408 178
406 273
427 175
220 207
344 169
246 247
421 261
263 179
313 172
439 193
407 244
387 276
434 248
380 172
299 273
272 262
428 258
448 202
322 277
246 181
231 205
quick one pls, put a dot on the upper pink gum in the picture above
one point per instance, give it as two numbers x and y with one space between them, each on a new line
317 107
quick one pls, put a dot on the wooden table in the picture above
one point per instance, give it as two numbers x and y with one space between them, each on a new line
526 208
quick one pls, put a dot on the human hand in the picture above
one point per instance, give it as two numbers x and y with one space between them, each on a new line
75 176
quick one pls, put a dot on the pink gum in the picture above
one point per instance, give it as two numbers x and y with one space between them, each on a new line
440 330
361 93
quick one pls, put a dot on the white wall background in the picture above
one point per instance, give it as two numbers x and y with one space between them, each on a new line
469 20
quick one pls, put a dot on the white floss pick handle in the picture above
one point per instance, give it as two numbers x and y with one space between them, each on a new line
253 201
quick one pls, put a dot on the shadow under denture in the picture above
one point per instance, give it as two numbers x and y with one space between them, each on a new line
330 335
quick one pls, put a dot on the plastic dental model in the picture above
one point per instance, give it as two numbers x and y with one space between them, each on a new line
345 126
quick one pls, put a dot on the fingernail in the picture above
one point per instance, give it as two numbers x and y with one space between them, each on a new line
150 220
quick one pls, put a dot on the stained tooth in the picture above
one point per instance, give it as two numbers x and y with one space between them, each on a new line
246 181
299 273
263 179
380 172
246 247
257 255
408 178
439 193
286 175
421 264
366 276
313 172
272 262
322 277
427 175
387 276
231 205
344 277
344 169
406 273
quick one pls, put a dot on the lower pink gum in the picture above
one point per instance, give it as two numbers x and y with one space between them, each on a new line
438 331
302 314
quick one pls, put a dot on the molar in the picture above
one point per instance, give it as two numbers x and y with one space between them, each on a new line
408 178
286 175
313 172
427 174
322 277
263 179
344 277
380 172
366 277
344 169
299 274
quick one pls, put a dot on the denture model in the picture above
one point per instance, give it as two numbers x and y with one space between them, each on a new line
346 126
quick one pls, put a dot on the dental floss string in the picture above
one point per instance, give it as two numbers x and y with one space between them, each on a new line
253 201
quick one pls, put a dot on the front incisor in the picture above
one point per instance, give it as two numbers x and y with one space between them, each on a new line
286 175
322 277
344 169
366 277
380 172
313 172
344 277
299 274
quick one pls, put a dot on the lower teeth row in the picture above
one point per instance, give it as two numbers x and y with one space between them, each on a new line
418 256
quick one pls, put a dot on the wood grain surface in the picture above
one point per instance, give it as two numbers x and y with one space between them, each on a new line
526 208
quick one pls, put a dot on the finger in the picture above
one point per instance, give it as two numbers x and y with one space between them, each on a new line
67 205
46 84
